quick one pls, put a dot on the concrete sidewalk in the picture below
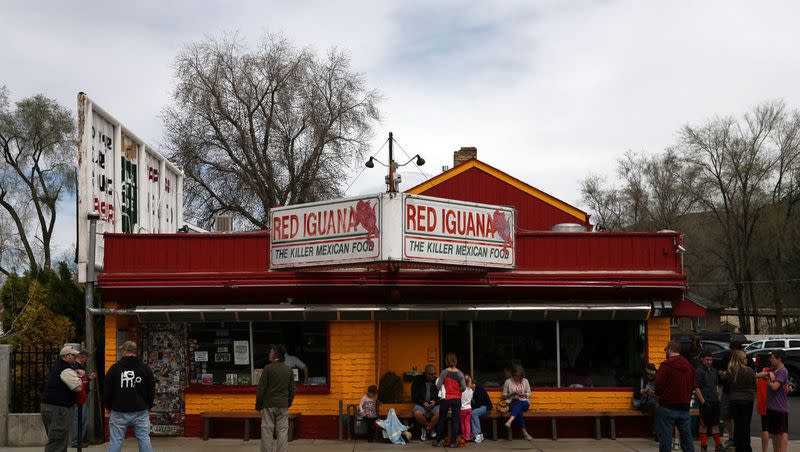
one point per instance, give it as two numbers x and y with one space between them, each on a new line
305 445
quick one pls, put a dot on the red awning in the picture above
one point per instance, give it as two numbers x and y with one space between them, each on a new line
688 308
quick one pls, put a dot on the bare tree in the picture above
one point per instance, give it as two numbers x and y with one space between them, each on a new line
258 128
744 167
36 141
656 191
605 201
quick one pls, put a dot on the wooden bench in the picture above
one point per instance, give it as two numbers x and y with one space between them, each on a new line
555 415
408 418
495 417
613 415
210 416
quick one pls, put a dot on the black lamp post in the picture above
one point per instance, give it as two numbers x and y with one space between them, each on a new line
419 161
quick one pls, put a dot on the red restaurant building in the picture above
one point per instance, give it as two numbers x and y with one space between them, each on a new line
581 311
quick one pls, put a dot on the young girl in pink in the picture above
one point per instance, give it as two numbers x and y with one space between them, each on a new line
466 409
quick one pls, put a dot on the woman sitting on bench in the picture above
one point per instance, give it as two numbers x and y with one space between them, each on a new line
517 391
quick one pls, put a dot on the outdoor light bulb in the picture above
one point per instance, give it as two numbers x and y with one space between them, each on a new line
369 163
420 161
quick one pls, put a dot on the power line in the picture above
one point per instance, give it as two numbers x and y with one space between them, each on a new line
409 157
364 167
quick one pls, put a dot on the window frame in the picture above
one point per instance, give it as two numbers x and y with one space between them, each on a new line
559 383
198 388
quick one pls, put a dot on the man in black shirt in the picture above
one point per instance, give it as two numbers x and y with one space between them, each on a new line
128 394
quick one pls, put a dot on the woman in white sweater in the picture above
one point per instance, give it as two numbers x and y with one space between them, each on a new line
517 392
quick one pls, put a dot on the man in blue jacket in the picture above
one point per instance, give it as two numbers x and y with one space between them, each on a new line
481 404
59 394
128 394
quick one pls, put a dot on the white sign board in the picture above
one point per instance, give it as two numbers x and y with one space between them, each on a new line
392 227
325 233
130 185
452 232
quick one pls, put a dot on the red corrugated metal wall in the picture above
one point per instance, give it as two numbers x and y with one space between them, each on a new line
248 253
475 185
179 253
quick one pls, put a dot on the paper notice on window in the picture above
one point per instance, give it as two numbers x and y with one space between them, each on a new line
241 352
296 375
201 357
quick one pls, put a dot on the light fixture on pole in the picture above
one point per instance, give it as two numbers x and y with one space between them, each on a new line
393 180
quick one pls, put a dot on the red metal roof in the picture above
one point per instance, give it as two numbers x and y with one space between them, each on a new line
227 268
235 267
476 181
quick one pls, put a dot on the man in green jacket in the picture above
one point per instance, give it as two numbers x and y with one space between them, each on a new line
275 396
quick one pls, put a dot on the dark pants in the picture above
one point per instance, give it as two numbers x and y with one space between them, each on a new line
741 412
57 420
666 421
370 428
444 405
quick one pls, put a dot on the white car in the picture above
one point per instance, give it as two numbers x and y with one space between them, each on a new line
770 344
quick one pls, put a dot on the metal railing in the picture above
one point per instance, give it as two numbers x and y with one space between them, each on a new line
30 367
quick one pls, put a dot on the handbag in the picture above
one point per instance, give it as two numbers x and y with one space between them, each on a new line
360 427
502 406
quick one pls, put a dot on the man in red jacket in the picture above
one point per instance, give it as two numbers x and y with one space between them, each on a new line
674 386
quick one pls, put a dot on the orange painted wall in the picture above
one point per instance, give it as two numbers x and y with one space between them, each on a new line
354 358
560 400
110 356
658 334
405 344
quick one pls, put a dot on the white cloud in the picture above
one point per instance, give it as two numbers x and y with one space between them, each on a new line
547 91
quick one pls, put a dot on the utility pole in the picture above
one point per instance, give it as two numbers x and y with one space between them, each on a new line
91 402
391 165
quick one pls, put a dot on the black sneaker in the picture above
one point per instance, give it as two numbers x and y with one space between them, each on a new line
437 444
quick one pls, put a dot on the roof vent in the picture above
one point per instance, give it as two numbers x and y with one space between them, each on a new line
568 227
223 223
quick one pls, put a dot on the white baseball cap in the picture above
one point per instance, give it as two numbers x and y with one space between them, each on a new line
69 350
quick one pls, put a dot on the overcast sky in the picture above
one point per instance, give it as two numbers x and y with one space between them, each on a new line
547 91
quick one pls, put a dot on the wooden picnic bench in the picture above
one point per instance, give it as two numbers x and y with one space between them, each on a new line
495 417
210 416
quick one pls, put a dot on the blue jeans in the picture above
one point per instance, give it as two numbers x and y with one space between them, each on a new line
666 421
475 420
85 419
118 423
518 409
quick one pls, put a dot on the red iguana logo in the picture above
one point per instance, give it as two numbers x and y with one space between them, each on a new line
365 216
502 227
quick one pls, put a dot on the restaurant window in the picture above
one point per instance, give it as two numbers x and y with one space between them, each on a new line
307 341
235 353
212 355
601 354
498 345
593 353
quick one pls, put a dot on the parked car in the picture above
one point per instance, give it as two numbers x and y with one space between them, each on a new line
717 338
773 344
792 363
712 342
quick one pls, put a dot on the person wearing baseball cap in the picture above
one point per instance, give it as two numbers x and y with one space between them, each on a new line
63 384
128 394
80 364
